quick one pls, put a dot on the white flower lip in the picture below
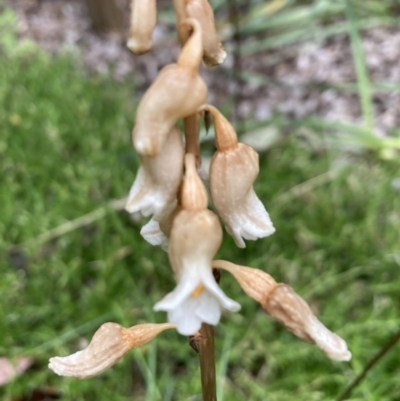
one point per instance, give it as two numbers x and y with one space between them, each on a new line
189 310
249 221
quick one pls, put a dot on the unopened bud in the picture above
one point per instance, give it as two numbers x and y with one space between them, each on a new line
177 92
233 170
157 181
214 53
294 313
109 344
143 21
282 303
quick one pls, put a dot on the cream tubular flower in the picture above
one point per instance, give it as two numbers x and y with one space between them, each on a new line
158 179
282 303
109 344
197 298
143 21
233 170
177 92
214 54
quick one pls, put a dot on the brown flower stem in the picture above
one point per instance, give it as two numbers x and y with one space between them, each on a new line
191 124
205 346
181 15
202 342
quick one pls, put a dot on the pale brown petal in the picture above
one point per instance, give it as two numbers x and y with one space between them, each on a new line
109 344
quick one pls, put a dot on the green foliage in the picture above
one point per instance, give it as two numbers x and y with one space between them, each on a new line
65 150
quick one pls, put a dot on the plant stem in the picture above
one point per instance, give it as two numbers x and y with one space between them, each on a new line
204 340
393 340
205 346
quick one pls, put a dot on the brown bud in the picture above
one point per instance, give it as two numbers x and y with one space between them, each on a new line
254 282
157 181
143 21
188 227
294 313
214 53
109 344
177 92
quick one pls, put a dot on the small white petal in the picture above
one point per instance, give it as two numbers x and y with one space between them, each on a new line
214 289
208 309
187 322
177 297
250 221
152 233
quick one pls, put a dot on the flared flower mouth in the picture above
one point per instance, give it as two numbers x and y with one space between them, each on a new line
196 299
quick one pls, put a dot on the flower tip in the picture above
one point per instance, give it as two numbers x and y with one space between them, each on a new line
145 145
194 195
138 47
192 52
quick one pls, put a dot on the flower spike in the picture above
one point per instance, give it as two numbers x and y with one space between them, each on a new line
177 92
109 344
234 168
143 21
197 298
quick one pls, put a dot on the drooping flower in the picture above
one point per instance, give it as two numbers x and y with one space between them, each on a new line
143 21
234 168
157 181
109 344
196 236
282 303
176 93
214 53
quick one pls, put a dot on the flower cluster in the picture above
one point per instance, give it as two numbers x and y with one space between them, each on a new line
168 188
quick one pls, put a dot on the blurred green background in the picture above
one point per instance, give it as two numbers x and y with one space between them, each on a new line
332 190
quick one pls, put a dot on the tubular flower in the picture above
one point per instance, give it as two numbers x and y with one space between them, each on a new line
109 344
143 21
234 168
197 298
157 181
176 93
282 303
214 54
